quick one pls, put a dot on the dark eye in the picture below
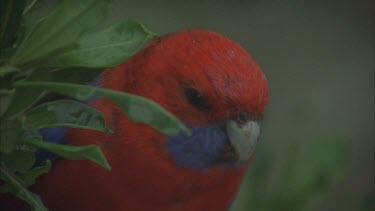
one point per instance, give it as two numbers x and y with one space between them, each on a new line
196 99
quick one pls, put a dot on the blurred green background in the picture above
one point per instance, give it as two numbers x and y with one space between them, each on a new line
318 57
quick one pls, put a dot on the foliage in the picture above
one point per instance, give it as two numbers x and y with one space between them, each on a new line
296 177
60 52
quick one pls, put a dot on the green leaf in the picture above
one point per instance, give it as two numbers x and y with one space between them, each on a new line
9 133
4 70
23 98
71 75
64 113
106 48
30 176
59 30
10 19
137 108
5 99
6 93
19 160
89 152
38 11
6 81
16 186
28 7
75 75
8 140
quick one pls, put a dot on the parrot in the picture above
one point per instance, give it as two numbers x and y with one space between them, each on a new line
207 81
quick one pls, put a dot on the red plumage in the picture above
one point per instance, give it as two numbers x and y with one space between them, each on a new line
144 175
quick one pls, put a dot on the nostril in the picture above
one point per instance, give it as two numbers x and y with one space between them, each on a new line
242 118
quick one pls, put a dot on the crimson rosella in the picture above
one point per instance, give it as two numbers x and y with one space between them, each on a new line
207 81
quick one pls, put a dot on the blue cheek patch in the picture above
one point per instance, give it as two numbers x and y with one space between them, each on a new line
53 135
202 149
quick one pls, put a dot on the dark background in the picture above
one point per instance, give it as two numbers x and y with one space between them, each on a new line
318 57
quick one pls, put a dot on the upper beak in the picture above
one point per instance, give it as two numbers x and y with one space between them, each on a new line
243 136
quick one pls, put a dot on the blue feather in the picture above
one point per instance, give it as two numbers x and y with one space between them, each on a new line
54 135
200 150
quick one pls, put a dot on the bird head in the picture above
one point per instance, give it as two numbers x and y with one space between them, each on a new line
211 84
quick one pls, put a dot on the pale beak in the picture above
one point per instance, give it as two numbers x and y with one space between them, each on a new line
243 137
